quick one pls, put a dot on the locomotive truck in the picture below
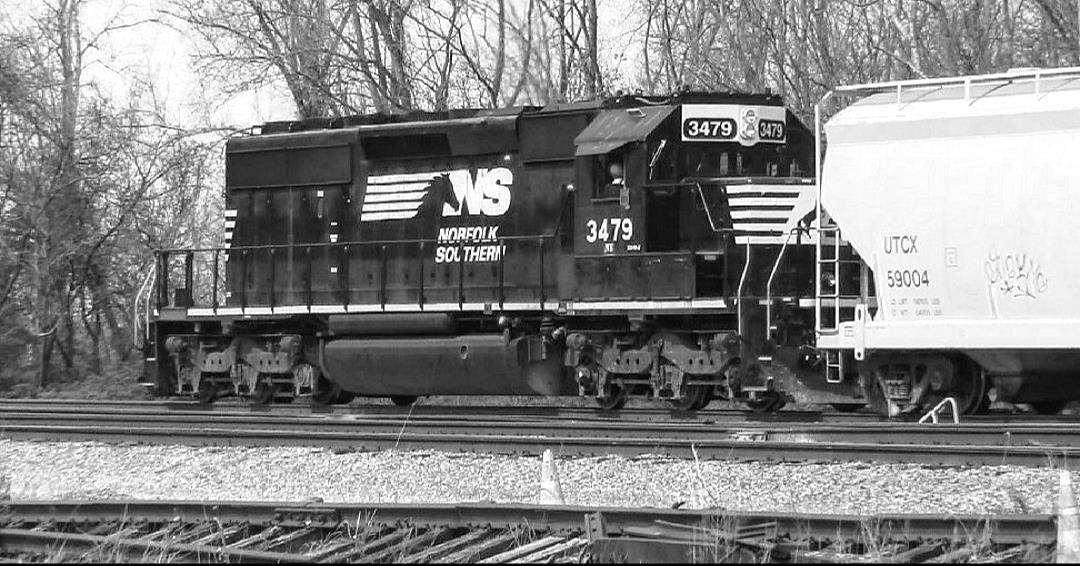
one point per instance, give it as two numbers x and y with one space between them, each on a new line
679 248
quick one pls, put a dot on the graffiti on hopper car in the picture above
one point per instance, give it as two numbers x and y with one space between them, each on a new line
1015 274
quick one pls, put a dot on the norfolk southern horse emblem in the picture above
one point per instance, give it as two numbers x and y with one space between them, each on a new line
459 192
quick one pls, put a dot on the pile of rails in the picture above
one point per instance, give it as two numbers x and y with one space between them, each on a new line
317 532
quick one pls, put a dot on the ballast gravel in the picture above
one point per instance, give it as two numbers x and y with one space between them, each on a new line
94 470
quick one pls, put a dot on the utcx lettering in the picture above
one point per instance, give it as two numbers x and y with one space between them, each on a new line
901 244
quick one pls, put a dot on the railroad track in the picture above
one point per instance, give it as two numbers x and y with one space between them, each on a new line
1031 444
648 413
302 407
325 533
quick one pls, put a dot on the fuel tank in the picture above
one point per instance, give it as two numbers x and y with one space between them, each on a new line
391 324
473 364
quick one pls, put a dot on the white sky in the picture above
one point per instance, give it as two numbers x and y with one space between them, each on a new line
163 53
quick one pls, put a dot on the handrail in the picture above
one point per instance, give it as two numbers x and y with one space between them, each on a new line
708 213
339 243
739 291
1011 75
135 307
933 414
541 239
768 284
743 180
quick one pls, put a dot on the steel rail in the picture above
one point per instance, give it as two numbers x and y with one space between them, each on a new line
752 447
981 434
652 414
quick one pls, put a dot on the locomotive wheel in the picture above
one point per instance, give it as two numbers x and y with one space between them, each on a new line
208 393
770 401
615 399
403 400
263 394
697 396
325 392
1048 407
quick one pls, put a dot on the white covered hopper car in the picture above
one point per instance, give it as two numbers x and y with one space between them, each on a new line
948 262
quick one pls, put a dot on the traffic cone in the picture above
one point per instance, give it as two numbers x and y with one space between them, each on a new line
550 489
1068 523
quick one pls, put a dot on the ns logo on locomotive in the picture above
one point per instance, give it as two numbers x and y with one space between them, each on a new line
681 248
482 192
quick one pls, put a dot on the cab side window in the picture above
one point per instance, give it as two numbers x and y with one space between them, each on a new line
610 175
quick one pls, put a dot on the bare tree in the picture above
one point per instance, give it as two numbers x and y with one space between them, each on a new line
320 49
801 48
78 174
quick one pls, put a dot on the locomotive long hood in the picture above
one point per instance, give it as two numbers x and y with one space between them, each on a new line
962 200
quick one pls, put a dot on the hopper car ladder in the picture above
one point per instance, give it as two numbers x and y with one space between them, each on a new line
829 299
833 304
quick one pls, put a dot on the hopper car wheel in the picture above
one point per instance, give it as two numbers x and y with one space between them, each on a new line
615 400
263 394
1048 407
403 400
697 396
770 401
970 393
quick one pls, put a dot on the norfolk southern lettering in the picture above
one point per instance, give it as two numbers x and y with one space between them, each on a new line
471 244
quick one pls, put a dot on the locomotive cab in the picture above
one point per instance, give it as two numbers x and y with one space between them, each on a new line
683 210
703 178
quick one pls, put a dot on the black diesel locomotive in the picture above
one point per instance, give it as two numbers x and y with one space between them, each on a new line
625 247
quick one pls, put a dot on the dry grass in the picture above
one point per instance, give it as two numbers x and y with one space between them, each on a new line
118 383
